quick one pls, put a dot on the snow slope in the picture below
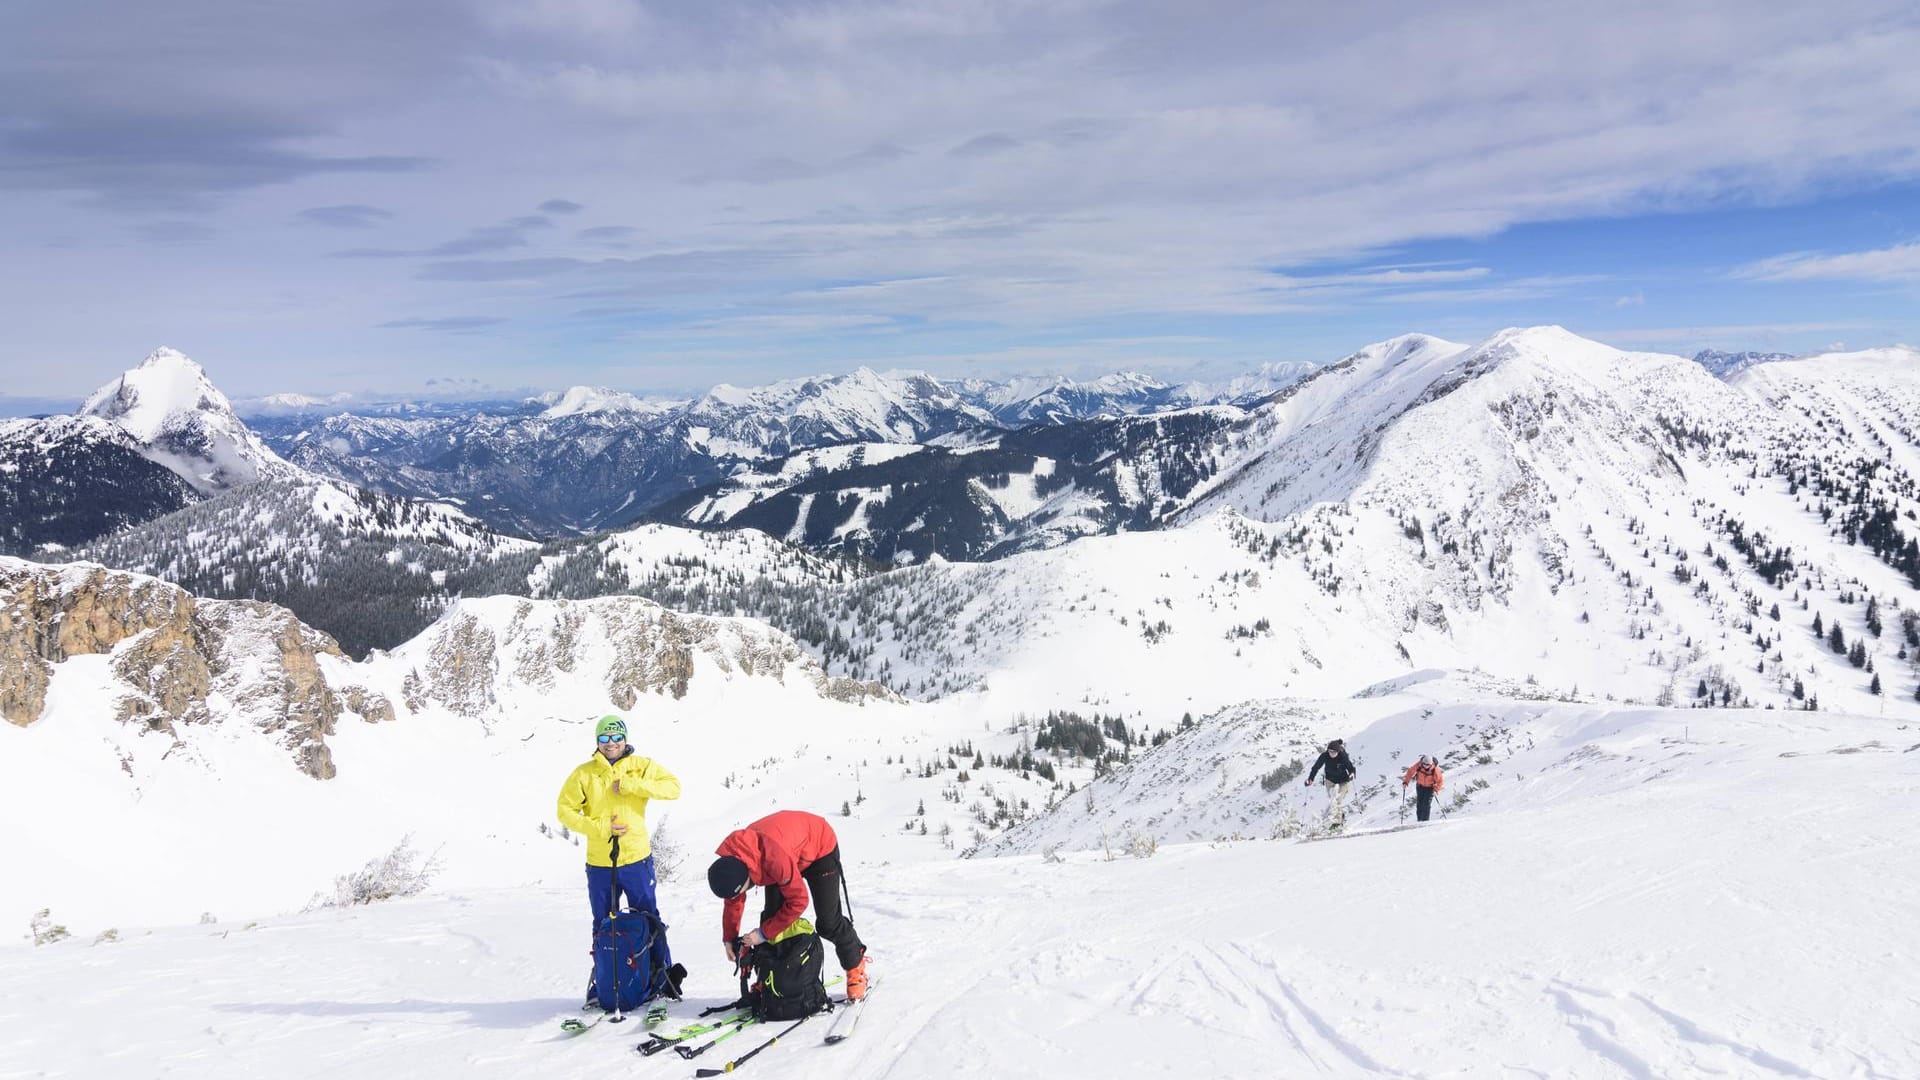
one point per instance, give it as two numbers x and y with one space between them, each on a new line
1571 931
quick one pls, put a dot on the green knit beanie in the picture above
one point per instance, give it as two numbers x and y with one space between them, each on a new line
611 725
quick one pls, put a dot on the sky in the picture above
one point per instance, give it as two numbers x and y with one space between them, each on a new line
478 194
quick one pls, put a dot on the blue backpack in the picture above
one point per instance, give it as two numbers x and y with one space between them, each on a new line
623 973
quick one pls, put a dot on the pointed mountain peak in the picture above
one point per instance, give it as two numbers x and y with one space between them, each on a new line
148 398
166 356
184 422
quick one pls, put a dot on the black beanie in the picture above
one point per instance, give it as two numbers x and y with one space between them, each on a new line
726 875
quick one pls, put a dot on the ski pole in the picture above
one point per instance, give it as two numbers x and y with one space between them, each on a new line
691 1052
613 908
656 1043
748 1056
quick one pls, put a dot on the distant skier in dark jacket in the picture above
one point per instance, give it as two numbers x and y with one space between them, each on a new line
1339 781
1427 780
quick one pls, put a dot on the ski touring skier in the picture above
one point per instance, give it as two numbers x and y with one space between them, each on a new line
1339 779
1427 780
605 799
794 856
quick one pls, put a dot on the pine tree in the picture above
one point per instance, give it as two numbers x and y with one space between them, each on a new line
1874 687
1818 630
1836 640
1873 616
1857 656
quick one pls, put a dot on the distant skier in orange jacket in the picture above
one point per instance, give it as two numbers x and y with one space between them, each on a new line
1427 780
795 856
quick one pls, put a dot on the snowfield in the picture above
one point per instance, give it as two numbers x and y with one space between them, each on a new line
1633 893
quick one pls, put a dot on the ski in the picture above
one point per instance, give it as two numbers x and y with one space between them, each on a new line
574 1025
846 1017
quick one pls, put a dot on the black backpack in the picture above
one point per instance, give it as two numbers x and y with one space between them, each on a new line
788 976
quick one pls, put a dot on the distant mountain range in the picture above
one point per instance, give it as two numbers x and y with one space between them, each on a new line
588 459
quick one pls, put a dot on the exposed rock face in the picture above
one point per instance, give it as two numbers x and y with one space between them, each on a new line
629 645
171 654
178 662
48 614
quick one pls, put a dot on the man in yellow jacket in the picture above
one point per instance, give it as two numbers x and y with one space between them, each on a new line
605 800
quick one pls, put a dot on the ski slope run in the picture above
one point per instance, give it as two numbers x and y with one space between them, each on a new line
1663 893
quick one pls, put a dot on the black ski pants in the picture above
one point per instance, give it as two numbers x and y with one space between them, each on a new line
1422 801
831 920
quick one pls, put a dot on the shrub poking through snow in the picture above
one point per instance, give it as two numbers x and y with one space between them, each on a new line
400 872
667 855
44 930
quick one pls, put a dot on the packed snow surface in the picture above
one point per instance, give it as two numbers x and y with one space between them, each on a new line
1634 893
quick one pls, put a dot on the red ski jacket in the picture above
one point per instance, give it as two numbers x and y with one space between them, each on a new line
776 849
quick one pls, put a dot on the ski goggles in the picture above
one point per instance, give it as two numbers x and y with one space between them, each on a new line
605 739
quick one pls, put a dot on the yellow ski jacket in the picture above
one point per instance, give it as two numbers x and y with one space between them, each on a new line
588 804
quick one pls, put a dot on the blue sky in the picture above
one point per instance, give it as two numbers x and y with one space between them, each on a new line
500 194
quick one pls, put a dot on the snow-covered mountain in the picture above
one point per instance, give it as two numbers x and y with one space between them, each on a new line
1248 389
1726 364
181 420
594 399
369 569
587 461
66 480
589 458
1042 485
155 439
1049 400
1536 504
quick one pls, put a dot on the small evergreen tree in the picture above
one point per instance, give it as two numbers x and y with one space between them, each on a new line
1836 640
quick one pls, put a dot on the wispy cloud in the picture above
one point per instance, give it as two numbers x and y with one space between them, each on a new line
1750 332
1528 288
453 324
790 324
344 216
1900 263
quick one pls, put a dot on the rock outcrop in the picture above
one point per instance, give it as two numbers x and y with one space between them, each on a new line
629 645
171 655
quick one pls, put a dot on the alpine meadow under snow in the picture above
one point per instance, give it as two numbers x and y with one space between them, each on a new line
1657 623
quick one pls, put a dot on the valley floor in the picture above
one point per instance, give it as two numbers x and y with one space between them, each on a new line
1738 921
